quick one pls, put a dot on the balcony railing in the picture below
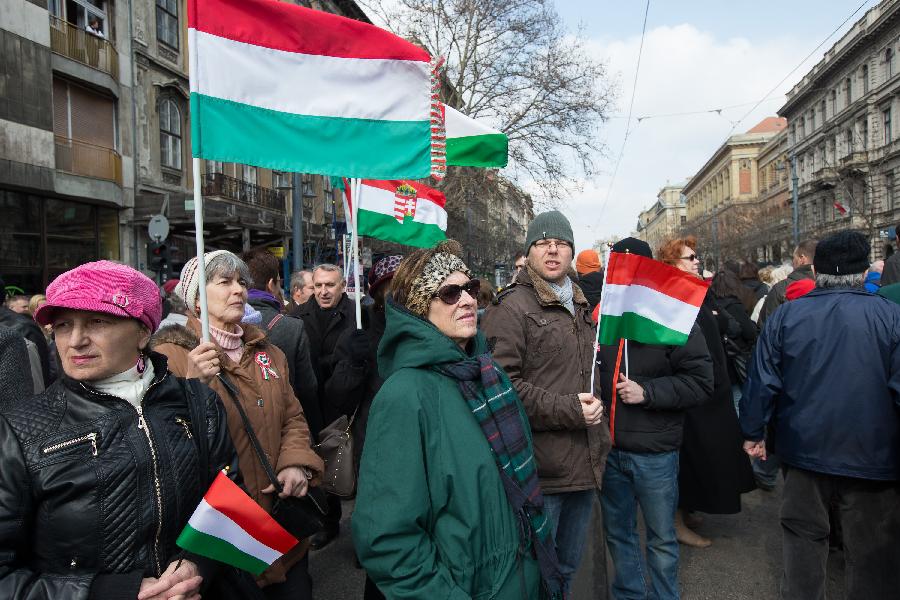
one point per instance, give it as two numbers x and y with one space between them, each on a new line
81 158
87 48
230 188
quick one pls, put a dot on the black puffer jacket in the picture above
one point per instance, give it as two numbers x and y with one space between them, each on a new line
83 482
674 378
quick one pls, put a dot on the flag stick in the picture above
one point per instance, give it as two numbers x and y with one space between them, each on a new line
201 263
627 374
355 247
599 318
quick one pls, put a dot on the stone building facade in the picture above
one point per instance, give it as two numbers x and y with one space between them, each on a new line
665 218
723 196
843 131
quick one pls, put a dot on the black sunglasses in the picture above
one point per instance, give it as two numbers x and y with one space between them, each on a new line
690 257
450 294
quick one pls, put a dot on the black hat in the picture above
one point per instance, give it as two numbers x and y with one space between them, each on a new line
634 246
844 253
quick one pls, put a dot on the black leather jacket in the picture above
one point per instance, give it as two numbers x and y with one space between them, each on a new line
94 493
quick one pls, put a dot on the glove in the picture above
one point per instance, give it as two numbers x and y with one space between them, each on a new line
356 346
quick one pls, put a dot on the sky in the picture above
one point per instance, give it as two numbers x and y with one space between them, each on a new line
697 55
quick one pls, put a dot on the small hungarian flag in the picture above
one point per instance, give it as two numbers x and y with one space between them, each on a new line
471 143
648 301
295 89
840 207
400 211
228 526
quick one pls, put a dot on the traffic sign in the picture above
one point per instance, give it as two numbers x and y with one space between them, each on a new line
158 228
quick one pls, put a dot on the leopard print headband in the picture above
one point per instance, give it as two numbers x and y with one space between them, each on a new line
438 268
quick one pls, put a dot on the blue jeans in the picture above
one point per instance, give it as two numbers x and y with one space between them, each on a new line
651 481
570 515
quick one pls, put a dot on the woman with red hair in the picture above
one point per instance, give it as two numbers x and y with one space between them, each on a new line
713 470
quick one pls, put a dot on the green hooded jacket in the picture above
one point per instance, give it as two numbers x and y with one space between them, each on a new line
431 519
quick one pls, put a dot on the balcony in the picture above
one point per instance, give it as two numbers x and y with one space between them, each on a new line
242 192
81 158
75 43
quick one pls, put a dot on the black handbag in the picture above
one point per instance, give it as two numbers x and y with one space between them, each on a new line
301 517
740 358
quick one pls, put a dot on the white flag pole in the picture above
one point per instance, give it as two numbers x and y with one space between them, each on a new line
357 192
201 263
599 317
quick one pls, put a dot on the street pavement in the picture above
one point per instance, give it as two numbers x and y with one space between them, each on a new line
744 562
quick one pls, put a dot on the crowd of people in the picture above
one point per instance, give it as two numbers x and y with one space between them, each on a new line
487 425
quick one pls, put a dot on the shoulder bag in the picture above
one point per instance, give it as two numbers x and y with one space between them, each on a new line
301 517
336 450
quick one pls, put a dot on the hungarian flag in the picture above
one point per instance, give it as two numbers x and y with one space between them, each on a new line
648 301
840 207
471 143
400 211
228 526
290 88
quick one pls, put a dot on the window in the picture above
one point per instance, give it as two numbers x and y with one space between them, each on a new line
812 120
834 107
249 174
848 91
888 63
864 134
167 22
864 73
326 184
170 134
683 219
822 110
794 134
887 126
848 141
215 166
803 126
89 15
281 179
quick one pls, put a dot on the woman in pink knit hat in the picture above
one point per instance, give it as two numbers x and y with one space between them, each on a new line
102 470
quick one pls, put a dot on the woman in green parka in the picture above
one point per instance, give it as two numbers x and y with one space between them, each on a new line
448 504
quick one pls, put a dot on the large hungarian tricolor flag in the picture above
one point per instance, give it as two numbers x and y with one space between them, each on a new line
228 526
648 301
471 143
400 211
290 88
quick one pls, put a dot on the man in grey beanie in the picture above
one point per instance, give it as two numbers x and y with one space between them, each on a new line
541 332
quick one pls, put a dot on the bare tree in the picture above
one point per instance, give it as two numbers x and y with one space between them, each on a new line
514 65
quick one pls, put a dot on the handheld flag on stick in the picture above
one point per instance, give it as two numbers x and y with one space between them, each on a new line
400 211
648 301
228 526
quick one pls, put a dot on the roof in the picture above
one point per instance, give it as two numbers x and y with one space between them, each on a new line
769 125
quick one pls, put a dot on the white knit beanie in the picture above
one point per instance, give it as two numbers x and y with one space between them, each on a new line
189 286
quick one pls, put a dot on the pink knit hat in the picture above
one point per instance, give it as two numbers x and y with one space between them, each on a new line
106 287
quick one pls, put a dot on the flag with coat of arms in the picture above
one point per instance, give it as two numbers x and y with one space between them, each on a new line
405 212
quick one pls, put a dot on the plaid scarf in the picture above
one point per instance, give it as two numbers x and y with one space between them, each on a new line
496 407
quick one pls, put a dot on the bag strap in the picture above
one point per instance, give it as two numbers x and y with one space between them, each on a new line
254 441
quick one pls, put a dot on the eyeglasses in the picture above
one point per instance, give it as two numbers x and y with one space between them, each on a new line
450 294
545 244
691 257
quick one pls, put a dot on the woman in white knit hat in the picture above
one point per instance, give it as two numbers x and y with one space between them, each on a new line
240 363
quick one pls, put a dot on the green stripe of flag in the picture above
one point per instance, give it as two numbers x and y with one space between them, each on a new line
410 233
218 549
290 142
633 326
478 151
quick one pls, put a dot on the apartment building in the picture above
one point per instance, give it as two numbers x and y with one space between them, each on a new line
665 218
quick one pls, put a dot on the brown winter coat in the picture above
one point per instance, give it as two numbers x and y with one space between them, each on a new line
278 420
547 354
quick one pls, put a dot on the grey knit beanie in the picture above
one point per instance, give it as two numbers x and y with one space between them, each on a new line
551 224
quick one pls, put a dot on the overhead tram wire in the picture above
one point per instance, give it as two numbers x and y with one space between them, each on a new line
637 71
800 64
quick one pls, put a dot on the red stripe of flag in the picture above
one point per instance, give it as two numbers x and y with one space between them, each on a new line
423 192
632 269
283 26
226 497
